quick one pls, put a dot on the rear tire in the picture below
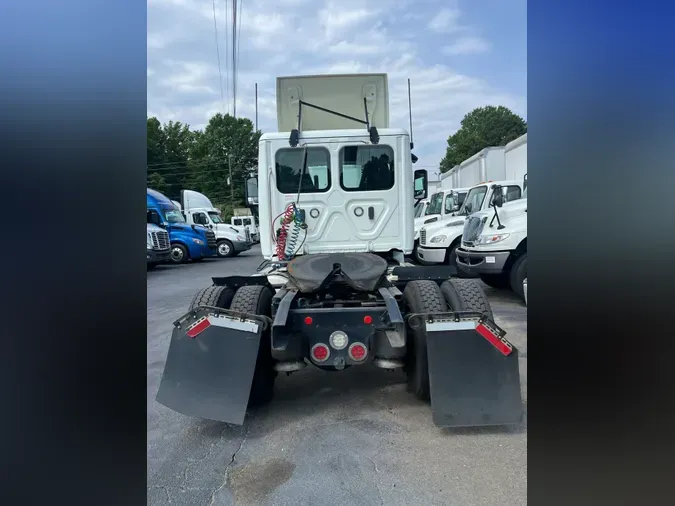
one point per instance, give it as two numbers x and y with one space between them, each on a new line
518 275
499 281
466 295
258 300
420 296
214 296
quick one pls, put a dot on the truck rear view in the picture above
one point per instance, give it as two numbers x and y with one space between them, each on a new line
336 198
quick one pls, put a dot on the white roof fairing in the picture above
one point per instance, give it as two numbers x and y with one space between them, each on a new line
340 93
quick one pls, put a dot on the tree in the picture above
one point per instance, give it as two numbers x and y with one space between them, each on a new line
157 182
227 144
481 128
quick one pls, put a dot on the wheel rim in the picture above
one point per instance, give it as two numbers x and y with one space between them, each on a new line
224 248
176 254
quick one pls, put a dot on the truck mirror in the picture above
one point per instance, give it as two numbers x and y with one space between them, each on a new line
524 182
251 191
498 196
420 184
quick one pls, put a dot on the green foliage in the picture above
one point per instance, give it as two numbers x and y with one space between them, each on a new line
481 128
157 182
183 159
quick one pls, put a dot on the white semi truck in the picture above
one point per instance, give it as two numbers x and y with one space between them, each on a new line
439 241
198 210
494 244
336 197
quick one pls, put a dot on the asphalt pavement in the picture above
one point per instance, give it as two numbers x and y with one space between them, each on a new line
354 437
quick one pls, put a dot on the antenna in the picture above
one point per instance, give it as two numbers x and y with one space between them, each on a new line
412 144
256 107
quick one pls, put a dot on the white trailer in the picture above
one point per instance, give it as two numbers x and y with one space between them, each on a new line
515 158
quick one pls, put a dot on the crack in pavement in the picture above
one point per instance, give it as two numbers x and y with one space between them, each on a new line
227 469
379 492
192 462
166 491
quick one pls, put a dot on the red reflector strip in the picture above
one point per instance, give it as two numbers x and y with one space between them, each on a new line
198 327
502 345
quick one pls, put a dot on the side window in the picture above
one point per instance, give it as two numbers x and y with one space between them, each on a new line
316 177
511 193
247 221
237 223
449 202
366 168
199 218
153 217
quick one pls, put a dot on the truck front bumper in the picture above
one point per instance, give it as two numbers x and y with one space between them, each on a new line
240 246
158 257
432 255
474 262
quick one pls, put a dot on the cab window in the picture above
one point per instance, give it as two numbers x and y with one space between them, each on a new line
449 203
237 223
316 176
510 193
366 168
153 217
199 218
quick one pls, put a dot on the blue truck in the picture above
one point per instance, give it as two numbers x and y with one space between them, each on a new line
188 242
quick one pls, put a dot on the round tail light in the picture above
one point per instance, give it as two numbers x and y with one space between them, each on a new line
358 352
320 352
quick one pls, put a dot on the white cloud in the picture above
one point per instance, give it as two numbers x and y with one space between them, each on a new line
468 45
283 37
445 21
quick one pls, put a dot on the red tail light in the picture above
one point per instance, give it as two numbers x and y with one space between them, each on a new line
358 352
320 352
368 320
308 320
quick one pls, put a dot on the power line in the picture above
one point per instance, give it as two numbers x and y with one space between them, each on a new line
220 73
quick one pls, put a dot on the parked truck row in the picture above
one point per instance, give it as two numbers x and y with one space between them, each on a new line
192 229
477 222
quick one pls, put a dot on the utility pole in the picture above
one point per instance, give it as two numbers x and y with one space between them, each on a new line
229 164
256 107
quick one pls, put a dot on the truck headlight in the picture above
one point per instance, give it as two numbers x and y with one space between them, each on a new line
438 238
198 241
455 223
491 239
149 241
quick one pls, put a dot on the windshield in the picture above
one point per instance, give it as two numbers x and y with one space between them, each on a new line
474 200
215 217
174 216
435 204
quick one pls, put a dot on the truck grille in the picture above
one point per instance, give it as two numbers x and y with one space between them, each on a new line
211 239
423 236
472 229
160 240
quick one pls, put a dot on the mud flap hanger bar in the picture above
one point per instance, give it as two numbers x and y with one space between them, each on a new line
463 320
372 131
190 317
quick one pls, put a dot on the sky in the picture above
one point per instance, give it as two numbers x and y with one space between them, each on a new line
458 54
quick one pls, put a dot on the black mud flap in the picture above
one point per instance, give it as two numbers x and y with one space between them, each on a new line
210 365
473 374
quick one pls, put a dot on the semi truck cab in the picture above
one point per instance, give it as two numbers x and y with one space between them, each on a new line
187 242
246 224
158 246
439 241
494 245
199 210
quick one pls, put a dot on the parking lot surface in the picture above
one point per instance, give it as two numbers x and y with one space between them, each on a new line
354 437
